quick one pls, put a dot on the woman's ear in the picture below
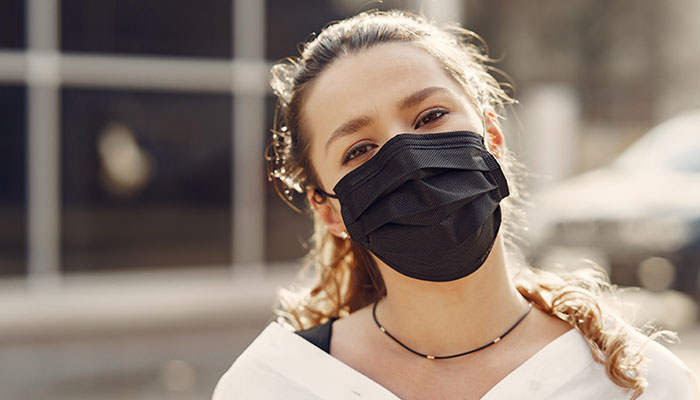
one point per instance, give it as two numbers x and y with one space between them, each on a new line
329 214
494 134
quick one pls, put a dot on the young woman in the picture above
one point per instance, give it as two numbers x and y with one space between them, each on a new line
388 124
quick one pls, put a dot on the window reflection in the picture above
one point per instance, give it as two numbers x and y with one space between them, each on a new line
145 179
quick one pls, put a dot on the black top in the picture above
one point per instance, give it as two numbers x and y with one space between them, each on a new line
319 335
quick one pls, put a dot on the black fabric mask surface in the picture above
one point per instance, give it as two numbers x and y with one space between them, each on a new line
426 204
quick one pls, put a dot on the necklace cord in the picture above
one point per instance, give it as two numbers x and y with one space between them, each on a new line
430 357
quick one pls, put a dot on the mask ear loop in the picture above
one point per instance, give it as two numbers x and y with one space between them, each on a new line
323 194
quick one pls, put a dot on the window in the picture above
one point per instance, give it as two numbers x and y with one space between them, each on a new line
154 27
282 37
145 179
12 24
13 172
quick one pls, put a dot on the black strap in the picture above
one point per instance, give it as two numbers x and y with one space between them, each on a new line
319 335
322 193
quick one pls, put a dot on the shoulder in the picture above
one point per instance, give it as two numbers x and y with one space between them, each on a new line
667 376
568 370
280 364
259 371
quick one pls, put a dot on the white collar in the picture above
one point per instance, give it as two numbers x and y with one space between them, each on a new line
291 356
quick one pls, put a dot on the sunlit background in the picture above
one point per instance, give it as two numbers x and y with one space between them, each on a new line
141 246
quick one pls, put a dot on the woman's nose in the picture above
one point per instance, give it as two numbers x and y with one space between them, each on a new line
389 130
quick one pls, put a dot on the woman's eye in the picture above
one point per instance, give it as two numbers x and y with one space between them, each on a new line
357 151
430 116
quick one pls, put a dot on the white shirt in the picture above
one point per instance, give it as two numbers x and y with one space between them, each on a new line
280 364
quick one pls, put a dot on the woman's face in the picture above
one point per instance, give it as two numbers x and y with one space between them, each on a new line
364 99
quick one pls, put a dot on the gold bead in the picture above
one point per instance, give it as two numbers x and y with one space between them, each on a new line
430 357
496 340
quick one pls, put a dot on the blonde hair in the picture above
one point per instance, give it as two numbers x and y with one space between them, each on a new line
343 276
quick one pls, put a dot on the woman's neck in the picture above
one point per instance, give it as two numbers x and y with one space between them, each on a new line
444 318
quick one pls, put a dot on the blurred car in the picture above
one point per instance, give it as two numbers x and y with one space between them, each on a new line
638 217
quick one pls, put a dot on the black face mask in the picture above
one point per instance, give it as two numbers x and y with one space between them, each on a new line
426 204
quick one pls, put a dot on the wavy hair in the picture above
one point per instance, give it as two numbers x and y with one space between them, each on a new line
342 276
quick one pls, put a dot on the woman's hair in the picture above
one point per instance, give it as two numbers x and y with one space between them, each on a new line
342 276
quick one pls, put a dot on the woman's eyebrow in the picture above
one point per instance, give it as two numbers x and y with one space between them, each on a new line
409 101
417 97
349 127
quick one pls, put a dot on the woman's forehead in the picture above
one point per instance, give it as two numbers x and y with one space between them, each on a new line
371 81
